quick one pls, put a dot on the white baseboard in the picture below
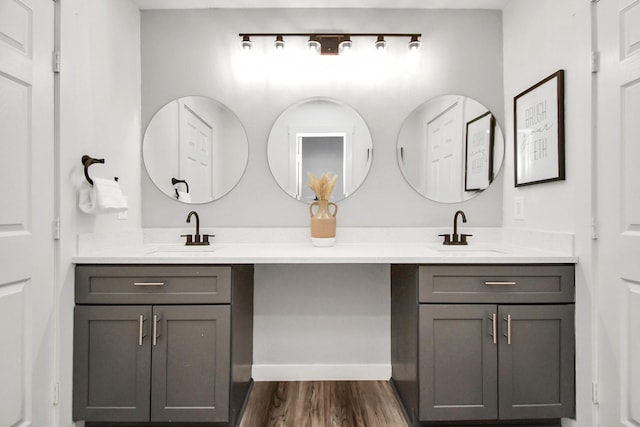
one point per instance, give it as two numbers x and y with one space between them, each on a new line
321 372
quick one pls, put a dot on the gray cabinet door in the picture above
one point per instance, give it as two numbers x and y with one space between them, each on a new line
536 377
458 363
112 355
190 377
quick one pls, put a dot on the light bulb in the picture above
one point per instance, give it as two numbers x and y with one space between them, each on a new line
278 44
345 45
314 45
246 43
414 43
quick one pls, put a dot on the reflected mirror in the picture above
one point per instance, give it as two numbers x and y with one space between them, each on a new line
450 148
319 135
195 149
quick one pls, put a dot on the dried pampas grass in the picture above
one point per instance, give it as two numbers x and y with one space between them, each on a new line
322 186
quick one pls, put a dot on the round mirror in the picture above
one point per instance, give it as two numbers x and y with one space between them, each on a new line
195 149
450 148
319 135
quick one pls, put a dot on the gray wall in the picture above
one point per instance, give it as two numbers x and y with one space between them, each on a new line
196 52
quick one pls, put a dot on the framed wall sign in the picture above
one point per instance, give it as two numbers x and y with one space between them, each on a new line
539 132
478 172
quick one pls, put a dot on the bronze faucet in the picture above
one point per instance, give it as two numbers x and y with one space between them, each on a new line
196 239
455 238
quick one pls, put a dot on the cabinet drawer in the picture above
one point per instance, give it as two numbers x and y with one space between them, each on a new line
496 283
151 284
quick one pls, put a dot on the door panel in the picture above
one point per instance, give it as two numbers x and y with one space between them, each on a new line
196 153
617 101
536 354
458 362
191 362
16 26
631 347
26 213
443 154
630 93
15 118
12 364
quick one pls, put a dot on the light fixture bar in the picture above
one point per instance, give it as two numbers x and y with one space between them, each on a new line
331 43
330 34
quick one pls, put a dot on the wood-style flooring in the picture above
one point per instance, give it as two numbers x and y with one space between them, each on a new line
323 404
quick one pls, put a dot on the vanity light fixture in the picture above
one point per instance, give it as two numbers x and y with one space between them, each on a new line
246 43
278 44
330 43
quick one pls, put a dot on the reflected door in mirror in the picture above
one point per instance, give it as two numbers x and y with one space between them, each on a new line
196 152
444 153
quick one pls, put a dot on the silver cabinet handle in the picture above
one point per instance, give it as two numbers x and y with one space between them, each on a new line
155 329
508 334
494 328
499 283
148 284
141 321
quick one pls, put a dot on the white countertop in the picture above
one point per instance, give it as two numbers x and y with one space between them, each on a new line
383 248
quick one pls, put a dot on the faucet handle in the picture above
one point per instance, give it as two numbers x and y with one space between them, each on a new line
189 239
447 238
205 238
463 238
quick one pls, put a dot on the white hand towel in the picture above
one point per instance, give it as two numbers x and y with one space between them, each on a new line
105 196
184 196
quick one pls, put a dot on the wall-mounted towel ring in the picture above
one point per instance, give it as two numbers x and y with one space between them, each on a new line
88 161
175 181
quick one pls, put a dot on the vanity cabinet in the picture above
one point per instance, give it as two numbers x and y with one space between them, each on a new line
474 343
168 343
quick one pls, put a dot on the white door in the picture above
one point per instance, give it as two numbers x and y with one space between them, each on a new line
196 154
617 98
443 153
26 213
